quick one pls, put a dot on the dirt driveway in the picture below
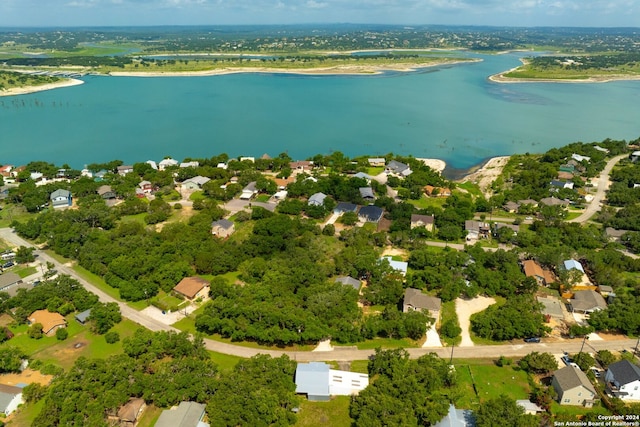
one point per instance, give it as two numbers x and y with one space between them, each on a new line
464 310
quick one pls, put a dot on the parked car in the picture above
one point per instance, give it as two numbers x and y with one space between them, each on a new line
566 359
8 264
532 339
596 372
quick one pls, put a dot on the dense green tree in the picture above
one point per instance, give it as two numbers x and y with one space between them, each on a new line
103 316
11 359
538 363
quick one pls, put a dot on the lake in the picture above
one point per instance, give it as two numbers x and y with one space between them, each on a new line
453 113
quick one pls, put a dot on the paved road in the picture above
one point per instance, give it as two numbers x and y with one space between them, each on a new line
603 186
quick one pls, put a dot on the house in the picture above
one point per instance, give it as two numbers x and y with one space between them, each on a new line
425 221
280 195
399 266
415 299
301 166
580 158
318 382
554 201
601 149
513 227
282 183
530 202
457 418
4 192
61 199
50 321
572 264
5 171
247 159
99 176
13 290
635 156
36 176
317 199
367 194
606 291
399 169
249 191
129 414
145 186
511 207
561 184
622 380
193 288
587 301
124 169
195 183
106 192
343 207
370 213
532 269
432 191
186 414
193 164
8 280
83 317
349 281
529 407
364 176
167 163
153 164
567 167
476 229
613 234
377 161
222 228
10 398
573 387
139 193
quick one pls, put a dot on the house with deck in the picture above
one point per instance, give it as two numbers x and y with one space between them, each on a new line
622 380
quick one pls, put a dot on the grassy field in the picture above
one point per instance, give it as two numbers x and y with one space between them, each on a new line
387 343
12 213
528 71
448 312
490 381
25 271
334 413
428 202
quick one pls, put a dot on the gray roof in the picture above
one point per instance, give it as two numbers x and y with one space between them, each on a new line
82 317
362 175
371 213
477 226
13 290
499 225
8 279
457 418
317 199
367 193
103 189
198 180
553 201
397 167
349 281
345 207
312 379
419 300
624 372
588 301
222 223
425 219
187 414
569 378
7 393
60 193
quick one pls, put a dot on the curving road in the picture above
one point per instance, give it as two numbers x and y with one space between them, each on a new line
603 186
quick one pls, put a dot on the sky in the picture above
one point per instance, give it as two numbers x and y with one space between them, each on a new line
517 13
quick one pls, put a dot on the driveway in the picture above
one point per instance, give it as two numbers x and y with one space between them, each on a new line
464 310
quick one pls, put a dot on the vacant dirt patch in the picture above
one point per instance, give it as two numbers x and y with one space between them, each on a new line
28 376
464 309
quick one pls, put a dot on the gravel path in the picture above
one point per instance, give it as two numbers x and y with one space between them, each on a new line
464 309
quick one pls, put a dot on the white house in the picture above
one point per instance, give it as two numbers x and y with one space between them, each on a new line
623 380
318 382
10 398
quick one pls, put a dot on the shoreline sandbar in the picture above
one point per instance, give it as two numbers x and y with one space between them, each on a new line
24 90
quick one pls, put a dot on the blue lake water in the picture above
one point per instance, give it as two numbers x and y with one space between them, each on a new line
453 113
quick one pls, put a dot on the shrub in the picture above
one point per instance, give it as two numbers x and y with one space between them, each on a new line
112 337
62 334
35 331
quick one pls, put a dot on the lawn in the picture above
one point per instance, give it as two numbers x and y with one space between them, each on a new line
334 413
576 411
427 202
225 362
25 271
12 213
471 188
263 198
491 381
387 343
360 366
448 312
373 171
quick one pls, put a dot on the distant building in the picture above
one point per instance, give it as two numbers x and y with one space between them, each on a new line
106 192
349 281
50 321
249 191
317 199
318 382
377 161
457 418
572 264
476 229
167 163
370 214
193 288
124 169
61 199
186 414
425 221
580 158
222 228
399 169
195 183
367 194
532 269
554 201
415 299
399 266
343 207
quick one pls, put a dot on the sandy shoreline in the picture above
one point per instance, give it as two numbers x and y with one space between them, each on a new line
486 173
435 164
501 78
32 89
334 70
